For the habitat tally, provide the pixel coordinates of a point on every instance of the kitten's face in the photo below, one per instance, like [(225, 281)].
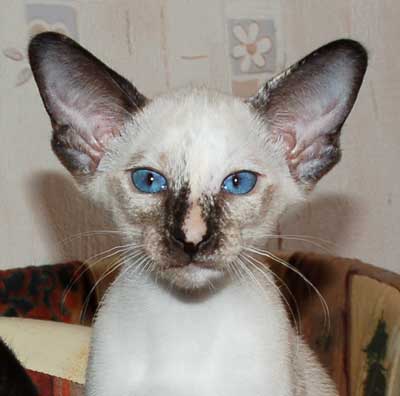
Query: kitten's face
[(196, 139), (195, 178)]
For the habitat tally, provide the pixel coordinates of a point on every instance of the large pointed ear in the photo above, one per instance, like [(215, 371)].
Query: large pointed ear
[(306, 106), (88, 103)]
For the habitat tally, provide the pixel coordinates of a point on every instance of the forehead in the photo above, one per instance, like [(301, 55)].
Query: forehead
[(199, 135), (195, 138)]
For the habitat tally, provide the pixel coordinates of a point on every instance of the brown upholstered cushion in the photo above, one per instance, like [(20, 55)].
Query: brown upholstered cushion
[(361, 348), (50, 292)]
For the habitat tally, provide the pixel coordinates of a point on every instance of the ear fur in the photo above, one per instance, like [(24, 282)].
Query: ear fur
[(308, 103), (88, 103)]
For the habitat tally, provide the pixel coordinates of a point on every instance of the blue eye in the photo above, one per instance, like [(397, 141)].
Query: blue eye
[(240, 182), (149, 181)]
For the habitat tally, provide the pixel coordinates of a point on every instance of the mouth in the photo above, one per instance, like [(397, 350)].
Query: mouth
[(191, 275), (193, 264), (203, 264)]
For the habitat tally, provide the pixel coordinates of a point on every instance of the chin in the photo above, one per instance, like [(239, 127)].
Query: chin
[(193, 276)]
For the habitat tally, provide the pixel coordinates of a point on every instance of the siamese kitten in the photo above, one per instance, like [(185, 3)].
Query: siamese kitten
[(195, 181)]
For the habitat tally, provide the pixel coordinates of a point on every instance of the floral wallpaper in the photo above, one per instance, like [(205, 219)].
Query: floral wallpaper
[(255, 43), (252, 42), (252, 46), (40, 18)]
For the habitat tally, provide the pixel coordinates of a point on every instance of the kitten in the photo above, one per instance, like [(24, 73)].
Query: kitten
[(195, 181), (13, 379)]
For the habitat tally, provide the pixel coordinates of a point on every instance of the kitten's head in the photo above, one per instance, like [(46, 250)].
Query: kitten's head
[(194, 177)]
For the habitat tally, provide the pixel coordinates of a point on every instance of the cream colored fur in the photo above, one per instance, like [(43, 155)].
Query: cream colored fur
[(193, 311), (180, 336)]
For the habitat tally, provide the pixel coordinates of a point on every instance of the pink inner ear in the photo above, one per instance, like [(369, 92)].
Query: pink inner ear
[(87, 101), (307, 137), (96, 122), (90, 137), (321, 121), (102, 129), (310, 152), (306, 105), (289, 141), (331, 106)]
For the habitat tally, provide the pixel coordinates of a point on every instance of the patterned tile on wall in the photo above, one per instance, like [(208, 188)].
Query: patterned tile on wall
[(245, 88), (255, 44), (252, 46), (42, 17)]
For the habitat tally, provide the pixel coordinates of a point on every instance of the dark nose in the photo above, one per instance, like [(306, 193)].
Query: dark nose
[(188, 247)]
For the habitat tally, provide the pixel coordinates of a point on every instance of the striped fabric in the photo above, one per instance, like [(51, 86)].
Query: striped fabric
[(48, 385)]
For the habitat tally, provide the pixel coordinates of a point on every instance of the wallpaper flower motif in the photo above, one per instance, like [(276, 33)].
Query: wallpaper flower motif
[(42, 18), (251, 47), (39, 26), (25, 74)]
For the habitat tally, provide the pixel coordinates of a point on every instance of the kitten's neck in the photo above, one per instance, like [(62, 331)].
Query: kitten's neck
[(197, 294), (253, 283)]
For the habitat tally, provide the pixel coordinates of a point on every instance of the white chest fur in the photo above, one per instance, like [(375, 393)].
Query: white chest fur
[(149, 341)]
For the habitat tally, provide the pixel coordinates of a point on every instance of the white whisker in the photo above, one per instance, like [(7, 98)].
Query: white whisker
[(318, 242), (270, 255), (118, 264), (266, 275), (88, 265), (269, 276), (95, 233)]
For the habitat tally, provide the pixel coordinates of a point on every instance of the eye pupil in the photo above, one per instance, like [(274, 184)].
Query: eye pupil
[(150, 179), (235, 180)]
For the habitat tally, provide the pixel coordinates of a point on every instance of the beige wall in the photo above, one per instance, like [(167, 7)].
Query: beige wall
[(162, 44)]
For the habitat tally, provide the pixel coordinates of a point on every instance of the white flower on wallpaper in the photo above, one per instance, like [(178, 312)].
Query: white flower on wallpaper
[(24, 74), (39, 26), (42, 18), (251, 47)]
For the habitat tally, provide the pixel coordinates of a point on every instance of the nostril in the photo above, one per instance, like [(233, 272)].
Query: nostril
[(204, 242), (178, 238), (190, 248)]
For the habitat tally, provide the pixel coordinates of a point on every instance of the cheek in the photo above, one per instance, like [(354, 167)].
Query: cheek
[(244, 212), (154, 244), (251, 209), (134, 208)]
